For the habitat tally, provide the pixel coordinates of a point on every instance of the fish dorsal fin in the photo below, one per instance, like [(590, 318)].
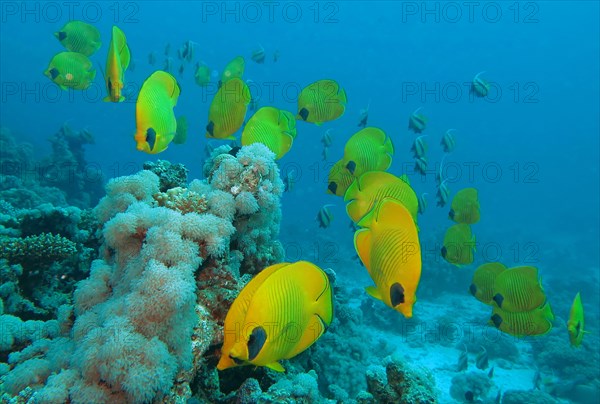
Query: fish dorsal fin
[(362, 245), (170, 84), (286, 143), (119, 45)]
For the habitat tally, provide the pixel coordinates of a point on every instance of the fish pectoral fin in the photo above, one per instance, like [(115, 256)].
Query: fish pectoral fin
[(276, 366), (316, 327), (374, 292), (362, 245)]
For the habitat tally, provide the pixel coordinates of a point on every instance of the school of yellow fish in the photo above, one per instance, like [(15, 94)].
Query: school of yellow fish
[(287, 307)]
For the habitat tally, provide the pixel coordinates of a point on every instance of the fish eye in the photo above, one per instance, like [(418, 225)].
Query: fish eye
[(444, 251)]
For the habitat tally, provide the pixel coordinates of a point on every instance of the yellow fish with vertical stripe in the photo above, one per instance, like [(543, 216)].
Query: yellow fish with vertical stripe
[(155, 119), (80, 37), (117, 62), (575, 323), (374, 186), (465, 207), (459, 245), (71, 70), (369, 149), (275, 128), (228, 109), (280, 313), (321, 101), (528, 323), (518, 289), (233, 70), (388, 246)]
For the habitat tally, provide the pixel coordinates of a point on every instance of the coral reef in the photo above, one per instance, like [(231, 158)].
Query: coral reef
[(67, 169), (143, 323), (470, 386), (529, 397), (169, 175), (44, 251), (400, 382)]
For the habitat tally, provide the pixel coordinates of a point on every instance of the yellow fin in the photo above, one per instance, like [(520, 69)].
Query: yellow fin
[(316, 328), (276, 366), (373, 291), (362, 245)]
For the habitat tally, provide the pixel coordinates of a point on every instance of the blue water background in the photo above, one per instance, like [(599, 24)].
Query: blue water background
[(544, 138)]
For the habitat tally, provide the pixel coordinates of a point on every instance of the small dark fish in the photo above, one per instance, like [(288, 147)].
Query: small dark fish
[(289, 181), (181, 69), (151, 58), (491, 373), (463, 360), (481, 361), (324, 217), (422, 203), (168, 65), (469, 396), (167, 49), (364, 116), (275, 56), (186, 52), (498, 397), (421, 165), (259, 55), (443, 193), (326, 139), (325, 153), (419, 147), (448, 142), (417, 122), (479, 86)]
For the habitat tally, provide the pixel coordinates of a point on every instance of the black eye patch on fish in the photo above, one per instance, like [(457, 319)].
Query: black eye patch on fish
[(332, 187), (351, 166), (210, 128), (256, 342), (54, 73), (396, 294), (303, 114), (151, 137)]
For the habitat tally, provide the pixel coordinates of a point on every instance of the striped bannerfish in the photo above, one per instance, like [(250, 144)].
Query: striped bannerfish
[(518, 289), (369, 149), (388, 246), (321, 101), (228, 109), (281, 312)]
